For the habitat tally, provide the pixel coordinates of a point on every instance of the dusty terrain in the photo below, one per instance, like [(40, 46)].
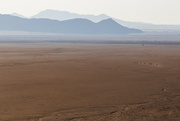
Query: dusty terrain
[(54, 82)]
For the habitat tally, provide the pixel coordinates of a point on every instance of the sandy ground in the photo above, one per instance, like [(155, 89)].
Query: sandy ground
[(54, 82)]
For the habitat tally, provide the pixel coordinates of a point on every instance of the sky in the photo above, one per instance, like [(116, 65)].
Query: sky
[(148, 11)]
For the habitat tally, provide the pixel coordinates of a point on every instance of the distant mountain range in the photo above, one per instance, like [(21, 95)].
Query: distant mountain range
[(63, 15), (72, 26)]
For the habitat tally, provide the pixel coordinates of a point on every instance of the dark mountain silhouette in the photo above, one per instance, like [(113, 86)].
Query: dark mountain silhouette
[(73, 26), (64, 15)]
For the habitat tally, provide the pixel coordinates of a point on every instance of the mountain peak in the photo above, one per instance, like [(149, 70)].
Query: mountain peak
[(109, 21), (103, 15), (18, 15)]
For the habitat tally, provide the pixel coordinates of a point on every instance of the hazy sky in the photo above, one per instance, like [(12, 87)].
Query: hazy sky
[(151, 11)]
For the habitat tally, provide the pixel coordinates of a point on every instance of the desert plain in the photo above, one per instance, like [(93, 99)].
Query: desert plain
[(89, 82)]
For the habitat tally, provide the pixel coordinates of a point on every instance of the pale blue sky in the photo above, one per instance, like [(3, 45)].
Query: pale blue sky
[(151, 11)]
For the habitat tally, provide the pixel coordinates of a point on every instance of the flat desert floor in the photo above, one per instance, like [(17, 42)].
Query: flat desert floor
[(89, 82)]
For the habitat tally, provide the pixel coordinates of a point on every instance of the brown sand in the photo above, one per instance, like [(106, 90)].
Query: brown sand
[(54, 82)]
